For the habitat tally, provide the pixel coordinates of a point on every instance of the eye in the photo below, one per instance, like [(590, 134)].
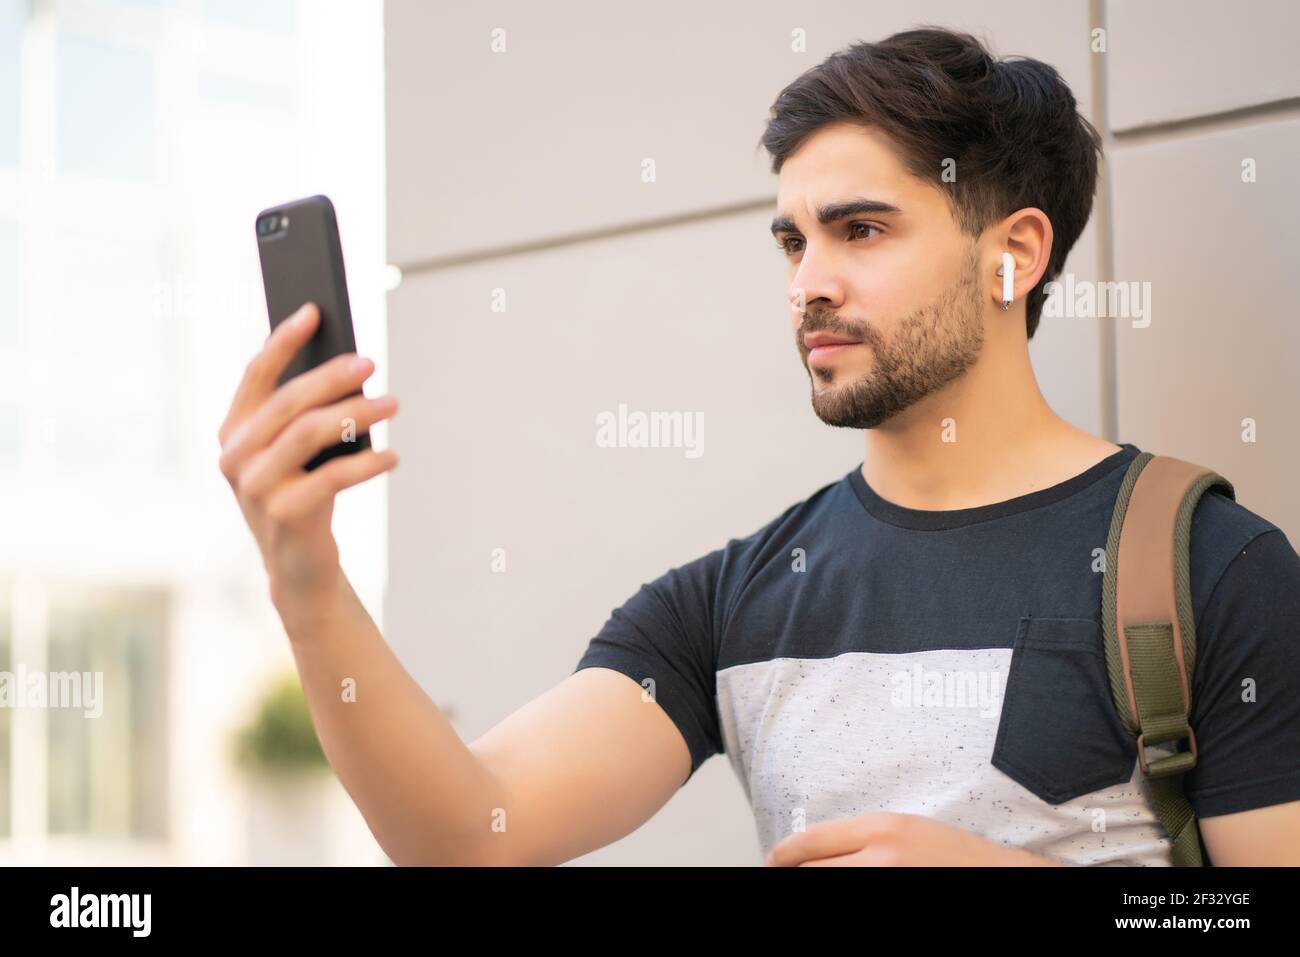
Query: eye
[(784, 246)]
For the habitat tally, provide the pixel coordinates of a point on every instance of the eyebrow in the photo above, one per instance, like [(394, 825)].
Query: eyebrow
[(836, 211)]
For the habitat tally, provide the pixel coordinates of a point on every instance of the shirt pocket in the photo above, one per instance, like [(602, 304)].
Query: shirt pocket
[(1058, 734)]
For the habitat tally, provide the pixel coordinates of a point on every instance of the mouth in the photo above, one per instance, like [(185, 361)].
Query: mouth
[(822, 353), (822, 346)]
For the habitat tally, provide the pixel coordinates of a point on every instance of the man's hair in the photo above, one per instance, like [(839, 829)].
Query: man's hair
[(1011, 125)]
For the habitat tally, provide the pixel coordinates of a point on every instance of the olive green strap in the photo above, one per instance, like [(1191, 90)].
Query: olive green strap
[(1162, 714), (1109, 585), (1162, 718)]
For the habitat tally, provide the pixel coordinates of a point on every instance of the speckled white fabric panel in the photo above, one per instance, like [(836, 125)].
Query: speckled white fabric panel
[(820, 739)]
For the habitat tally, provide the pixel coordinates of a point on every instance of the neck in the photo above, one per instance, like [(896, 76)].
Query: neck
[(985, 438)]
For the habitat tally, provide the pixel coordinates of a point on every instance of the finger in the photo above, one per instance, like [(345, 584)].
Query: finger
[(307, 435), (303, 496), (826, 839), (340, 376), (263, 371)]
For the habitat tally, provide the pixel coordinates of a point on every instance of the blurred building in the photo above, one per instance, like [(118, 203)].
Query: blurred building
[(138, 140)]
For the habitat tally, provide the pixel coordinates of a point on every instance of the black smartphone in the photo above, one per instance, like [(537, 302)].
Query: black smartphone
[(302, 261)]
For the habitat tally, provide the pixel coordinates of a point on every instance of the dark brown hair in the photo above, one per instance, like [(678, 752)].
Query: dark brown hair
[(1011, 125)]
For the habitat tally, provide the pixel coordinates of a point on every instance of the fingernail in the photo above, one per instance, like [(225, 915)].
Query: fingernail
[(302, 316), (360, 364)]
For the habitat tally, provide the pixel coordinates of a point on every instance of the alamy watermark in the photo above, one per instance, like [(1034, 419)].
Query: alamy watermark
[(942, 688), (53, 689), (129, 911), (1088, 299), (651, 430)]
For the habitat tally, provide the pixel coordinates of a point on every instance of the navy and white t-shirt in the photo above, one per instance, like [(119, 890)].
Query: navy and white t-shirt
[(854, 655)]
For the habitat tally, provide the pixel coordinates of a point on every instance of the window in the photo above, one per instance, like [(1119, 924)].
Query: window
[(107, 755), (99, 655), (106, 110), (12, 14)]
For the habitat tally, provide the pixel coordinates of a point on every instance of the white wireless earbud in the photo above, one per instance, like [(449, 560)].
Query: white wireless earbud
[(1008, 274)]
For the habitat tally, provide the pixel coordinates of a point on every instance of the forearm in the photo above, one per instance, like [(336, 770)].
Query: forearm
[(425, 796)]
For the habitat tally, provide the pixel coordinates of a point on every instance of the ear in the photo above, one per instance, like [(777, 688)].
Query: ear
[(1027, 235)]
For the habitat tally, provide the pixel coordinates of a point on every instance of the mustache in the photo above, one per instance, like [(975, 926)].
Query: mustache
[(824, 322)]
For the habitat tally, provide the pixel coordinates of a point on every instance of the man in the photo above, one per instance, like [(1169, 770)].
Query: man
[(904, 668)]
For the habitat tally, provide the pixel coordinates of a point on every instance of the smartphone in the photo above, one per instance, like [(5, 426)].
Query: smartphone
[(302, 261)]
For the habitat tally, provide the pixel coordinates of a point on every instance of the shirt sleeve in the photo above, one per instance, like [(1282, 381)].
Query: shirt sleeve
[(1246, 686), (664, 634)]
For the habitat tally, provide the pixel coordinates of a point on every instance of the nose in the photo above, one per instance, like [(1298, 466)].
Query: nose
[(814, 283)]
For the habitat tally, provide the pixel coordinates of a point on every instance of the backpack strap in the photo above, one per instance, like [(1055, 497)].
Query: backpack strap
[(1150, 635)]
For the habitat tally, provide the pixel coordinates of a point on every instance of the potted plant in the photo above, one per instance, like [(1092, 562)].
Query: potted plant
[(290, 780)]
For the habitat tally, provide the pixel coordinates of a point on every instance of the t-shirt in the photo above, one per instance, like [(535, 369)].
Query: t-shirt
[(853, 655)]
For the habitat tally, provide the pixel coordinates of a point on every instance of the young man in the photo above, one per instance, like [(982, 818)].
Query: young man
[(904, 668)]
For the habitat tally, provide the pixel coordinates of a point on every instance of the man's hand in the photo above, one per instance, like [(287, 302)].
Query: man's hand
[(886, 839), (270, 432)]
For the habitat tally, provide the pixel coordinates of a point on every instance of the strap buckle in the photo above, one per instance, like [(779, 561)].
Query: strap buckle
[(1175, 763)]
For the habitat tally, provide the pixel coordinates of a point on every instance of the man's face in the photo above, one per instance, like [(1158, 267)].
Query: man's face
[(890, 271)]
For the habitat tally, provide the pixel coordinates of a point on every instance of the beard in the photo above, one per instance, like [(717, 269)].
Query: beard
[(929, 348)]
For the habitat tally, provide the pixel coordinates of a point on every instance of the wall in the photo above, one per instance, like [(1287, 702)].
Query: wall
[(518, 175)]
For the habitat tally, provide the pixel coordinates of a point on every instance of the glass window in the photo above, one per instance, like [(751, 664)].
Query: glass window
[(107, 772), (110, 278), (12, 15), (106, 110), (265, 16), (111, 341), (259, 94)]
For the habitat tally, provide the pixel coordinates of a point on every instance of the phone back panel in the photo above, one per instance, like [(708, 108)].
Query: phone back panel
[(304, 263)]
